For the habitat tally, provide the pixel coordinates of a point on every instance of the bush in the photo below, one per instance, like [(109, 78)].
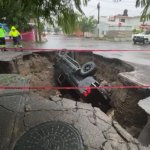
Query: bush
[(136, 31)]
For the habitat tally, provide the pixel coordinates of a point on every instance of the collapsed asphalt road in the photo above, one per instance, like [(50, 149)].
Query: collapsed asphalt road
[(22, 110)]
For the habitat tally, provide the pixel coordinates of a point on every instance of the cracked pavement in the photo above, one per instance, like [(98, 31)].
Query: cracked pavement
[(23, 110)]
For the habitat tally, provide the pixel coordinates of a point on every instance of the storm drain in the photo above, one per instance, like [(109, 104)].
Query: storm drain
[(51, 135)]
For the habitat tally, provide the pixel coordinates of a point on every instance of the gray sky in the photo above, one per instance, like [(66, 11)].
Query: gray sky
[(110, 8)]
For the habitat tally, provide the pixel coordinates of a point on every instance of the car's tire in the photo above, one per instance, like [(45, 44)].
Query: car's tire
[(88, 69), (134, 42)]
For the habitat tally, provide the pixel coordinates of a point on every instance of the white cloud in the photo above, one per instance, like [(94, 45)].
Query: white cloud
[(110, 8)]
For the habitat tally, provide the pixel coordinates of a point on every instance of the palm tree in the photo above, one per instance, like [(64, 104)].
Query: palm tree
[(146, 11)]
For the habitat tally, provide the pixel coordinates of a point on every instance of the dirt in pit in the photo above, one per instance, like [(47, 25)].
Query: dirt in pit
[(126, 109), (39, 70)]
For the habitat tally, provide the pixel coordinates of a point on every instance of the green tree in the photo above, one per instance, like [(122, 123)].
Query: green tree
[(87, 24), (14, 14), (146, 5), (136, 31), (60, 12)]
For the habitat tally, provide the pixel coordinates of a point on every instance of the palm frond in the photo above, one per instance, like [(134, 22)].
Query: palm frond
[(141, 3)]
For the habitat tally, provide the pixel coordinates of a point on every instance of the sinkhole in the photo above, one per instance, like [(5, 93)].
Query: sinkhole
[(40, 70)]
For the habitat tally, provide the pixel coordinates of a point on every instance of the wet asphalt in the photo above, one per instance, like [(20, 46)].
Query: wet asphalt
[(66, 42)]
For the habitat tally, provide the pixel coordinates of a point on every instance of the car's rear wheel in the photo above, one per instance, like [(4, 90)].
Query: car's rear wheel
[(88, 68)]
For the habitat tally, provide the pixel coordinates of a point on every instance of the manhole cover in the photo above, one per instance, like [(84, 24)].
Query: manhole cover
[(51, 136)]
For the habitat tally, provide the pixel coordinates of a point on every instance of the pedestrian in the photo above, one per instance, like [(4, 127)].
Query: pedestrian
[(2, 38), (15, 34)]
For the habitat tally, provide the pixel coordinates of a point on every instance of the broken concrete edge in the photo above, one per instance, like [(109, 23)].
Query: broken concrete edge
[(98, 114), (145, 105), (70, 105), (13, 55), (10, 82), (92, 122), (135, 73), (130, 79), (123, 133), (144, 136), (136, 78), (140, 76), (126, 65)]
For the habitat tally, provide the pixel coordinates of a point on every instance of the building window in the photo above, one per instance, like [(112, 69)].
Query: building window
[(122, 20)]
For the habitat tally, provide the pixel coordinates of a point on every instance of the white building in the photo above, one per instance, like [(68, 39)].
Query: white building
[(119, 26)]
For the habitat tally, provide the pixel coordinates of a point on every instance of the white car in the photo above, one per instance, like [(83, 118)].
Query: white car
[(143, 37)]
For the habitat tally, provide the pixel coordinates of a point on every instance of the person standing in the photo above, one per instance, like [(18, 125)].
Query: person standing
[(2, 38), (15, 34)]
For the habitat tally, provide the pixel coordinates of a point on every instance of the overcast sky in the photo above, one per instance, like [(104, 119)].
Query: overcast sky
[(110, 8)]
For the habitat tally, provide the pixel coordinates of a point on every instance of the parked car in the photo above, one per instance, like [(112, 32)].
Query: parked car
[(143, 37)]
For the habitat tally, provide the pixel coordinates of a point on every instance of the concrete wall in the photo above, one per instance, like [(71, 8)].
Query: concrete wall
[(103, 29), (122, 28), (119, 34)]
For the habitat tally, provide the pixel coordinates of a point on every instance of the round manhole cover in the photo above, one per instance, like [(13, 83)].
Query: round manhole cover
[(51, 136)]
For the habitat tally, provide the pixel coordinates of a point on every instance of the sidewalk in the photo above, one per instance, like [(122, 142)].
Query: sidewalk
[(79, 125)]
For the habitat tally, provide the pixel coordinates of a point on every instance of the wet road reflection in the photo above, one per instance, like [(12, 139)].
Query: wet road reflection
[(61, 42)]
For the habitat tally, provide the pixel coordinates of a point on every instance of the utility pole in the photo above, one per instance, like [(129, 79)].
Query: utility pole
[(98, 7)]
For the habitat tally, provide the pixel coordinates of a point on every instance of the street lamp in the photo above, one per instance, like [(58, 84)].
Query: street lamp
[(98, 8)]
